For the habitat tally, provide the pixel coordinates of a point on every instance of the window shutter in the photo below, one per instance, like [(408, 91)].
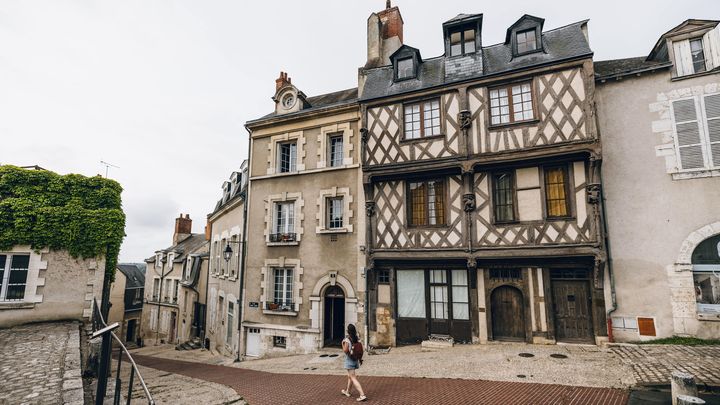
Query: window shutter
[(683, 58), (712, 113), (687, 129), (711, 47)]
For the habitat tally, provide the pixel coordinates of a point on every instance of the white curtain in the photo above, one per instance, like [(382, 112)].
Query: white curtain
[(411, 293), (460, 294)]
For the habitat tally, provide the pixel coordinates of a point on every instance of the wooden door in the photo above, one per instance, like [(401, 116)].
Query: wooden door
[(439, 303), (253, 342), (571, 302), (508, 314), (334, 325)]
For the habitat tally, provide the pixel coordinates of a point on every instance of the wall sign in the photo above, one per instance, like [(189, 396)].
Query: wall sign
[(254, 304)]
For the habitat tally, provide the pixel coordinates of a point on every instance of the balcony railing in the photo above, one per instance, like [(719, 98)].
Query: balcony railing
[(281, 306), (282, 237)]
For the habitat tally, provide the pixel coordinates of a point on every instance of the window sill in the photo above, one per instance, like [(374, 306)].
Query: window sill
[(708, 316), (427, 227), (553, 219), (498, 127), (695, 174), (281, 313), (333, 231), (422, 139), (694, 75), (16, 305), (296, 243)]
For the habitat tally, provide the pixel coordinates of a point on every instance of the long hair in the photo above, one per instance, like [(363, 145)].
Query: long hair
[(352, 332)]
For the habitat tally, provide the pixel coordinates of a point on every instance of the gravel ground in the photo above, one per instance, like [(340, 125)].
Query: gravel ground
[(589, 366)]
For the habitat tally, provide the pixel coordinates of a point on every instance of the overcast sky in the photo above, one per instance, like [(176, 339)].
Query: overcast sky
[(162, 88)]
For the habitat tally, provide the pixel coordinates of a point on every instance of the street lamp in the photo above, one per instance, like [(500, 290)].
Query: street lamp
[(227, 253)]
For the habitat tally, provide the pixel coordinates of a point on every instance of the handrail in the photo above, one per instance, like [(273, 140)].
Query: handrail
[(98, 322)]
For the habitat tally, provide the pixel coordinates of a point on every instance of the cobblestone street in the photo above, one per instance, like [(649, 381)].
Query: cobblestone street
[(653, 364), (40, 364)]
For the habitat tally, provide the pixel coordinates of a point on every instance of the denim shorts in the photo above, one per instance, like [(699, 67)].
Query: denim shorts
[(351, 364)]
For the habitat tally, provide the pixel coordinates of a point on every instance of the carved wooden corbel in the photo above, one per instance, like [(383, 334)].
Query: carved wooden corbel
[(369, 208)]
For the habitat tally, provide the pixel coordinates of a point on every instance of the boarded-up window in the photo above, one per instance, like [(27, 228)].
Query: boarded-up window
[(646, 326), (556, 191)]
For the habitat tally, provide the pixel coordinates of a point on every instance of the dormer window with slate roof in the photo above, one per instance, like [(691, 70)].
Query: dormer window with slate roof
[(462, 35), (525, 36), (406, 62)]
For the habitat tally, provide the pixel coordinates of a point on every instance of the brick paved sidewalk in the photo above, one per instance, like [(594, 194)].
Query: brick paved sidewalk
[(653, 364), (263, 388)]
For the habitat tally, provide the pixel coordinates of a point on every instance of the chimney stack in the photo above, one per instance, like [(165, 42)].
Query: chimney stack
[(384, 35), (183, 228), (282, 81)]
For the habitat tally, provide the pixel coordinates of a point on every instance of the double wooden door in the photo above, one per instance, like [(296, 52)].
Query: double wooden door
[(573, 318)]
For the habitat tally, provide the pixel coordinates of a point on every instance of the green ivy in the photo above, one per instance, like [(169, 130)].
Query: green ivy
[(82, 215)]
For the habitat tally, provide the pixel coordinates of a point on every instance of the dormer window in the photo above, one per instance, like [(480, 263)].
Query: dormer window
[(698, 55), (462, 42), (526, 41), (405, 68)]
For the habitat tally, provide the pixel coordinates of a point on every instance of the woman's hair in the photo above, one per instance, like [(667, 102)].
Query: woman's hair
[(352, 332)]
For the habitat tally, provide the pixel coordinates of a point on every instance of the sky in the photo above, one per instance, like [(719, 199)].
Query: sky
[(162, 89)]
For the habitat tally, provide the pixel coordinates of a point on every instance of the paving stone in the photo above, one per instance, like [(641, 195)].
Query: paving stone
[(653, 364)]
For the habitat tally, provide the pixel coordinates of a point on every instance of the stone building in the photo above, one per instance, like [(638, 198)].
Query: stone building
[(226, 228), (127, 294), (480, 174), (175, 288), (659, 116), (304, 281)]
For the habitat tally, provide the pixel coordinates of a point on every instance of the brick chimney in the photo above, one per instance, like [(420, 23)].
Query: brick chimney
[(183, 228), (384, 35), (282, 81)]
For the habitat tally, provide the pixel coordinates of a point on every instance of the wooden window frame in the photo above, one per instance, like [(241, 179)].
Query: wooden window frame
[(517, 43), (292, 165), (331, 137), (328, 212), (408, 201), (508, 87), (461, 30), (421, 103), (514, 196), (567, 168), (413, 73)]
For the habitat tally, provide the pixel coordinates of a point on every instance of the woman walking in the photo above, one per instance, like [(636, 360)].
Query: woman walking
[(352, 362)]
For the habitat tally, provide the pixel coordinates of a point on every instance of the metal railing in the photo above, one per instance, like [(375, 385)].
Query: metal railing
[(282, 237), (100, 328)]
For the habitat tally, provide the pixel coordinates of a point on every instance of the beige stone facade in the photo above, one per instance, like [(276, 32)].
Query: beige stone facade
[(226, 229), (661, 193), (57, 287), (304, 280)]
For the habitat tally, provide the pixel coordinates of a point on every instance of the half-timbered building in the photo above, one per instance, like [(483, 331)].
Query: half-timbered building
[(480, 173)]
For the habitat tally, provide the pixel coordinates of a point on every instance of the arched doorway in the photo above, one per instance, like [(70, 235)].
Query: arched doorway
[(508, 314), (334, 319), (706, 275)]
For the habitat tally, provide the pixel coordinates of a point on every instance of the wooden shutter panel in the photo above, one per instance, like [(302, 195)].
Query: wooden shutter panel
[(687, 130), (711, 47), (683, 58), (712, 113), (646, 326)]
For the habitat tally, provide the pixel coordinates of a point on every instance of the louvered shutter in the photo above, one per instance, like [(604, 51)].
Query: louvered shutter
[(683, 58), (712, 113), (711, 48), (689, 138)]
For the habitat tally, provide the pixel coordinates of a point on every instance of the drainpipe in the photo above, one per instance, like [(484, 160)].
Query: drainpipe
[(242, 265), (609, 263)]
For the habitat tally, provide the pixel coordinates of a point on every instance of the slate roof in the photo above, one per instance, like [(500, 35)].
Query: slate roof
[(622, 67), (135, 277), (560, 44), (318, 102), (185, 247)]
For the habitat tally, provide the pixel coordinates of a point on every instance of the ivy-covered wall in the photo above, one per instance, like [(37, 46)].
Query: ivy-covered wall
[(82, 215)]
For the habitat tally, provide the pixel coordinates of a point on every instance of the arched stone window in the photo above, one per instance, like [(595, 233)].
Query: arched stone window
[(706, 275)]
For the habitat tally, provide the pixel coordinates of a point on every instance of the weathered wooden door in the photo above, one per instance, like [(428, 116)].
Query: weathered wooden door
[(573, 319), (508, 314), (334, 325)]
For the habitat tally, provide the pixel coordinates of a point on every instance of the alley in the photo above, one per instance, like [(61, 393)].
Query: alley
[(259, 388)]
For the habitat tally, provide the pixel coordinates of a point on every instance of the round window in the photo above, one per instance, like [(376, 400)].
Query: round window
[(288, 100)]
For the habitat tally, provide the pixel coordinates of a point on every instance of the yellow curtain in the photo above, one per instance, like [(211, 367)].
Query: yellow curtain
[(555, 189)]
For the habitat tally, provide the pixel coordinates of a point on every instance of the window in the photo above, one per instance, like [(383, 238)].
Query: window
[(698, 55), (284, 224), (504, 196), (526, 41), (138, 297), (411, 293), (460, 295), (697, 142), (335, 213), (422, 119), (216, 258), (279, 341), (283, 289), (405, 68), (229, 326), (383, 276), (13, 276), (706, 275), (556, 192), (176, 284), (438, 295), (511, 104), (156, 290), (287, 157), (336, 151), (462, 42), (427, 203), (505, 274)]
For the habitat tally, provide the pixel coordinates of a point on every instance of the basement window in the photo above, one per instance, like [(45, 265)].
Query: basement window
[(279, 341)]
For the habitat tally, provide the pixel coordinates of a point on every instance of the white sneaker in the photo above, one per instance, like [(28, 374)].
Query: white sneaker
[(347, 394), (362, 398)]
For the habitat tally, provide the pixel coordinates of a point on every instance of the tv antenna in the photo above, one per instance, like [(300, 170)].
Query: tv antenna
[(108, 166)]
